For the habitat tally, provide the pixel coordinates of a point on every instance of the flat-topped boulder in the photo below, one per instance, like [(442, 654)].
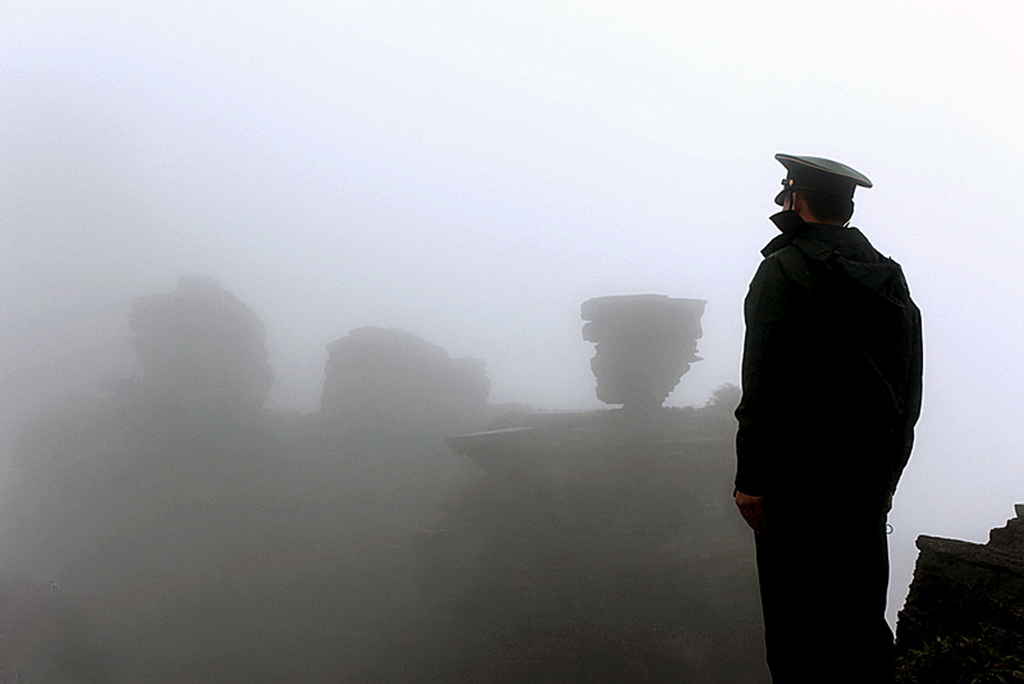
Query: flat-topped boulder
[(597, 546)]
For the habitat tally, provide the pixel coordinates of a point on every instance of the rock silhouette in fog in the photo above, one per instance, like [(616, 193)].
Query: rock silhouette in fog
[(645, 344), (164, 534), (597, 546), (392, 378), (200, 346), (146, 543)]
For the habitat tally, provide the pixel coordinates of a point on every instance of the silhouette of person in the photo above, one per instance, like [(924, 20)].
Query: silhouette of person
[(832, 366)]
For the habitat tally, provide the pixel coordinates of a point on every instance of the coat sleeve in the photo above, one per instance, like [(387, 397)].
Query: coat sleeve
[(912, 402), (768, 313)]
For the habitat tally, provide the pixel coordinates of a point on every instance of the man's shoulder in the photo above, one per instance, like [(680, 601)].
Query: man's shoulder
[(789, 263)]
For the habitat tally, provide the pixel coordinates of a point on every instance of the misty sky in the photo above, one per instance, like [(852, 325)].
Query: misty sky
[(473, 171)]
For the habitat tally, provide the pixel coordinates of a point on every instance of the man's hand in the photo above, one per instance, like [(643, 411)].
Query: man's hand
[(750, 509)]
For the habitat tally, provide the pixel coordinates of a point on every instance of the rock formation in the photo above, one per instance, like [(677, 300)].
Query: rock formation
[(200, 346), (392, 379), (645, 344), (961, 589), (597, 547)]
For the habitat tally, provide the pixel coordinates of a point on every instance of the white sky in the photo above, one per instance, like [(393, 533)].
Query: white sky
[(472, 171)]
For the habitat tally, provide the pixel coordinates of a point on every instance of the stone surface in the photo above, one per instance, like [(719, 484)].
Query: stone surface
[(966, 589), (645, 344)]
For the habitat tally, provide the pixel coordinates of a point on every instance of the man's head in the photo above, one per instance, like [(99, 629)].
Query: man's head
[(820, 190)]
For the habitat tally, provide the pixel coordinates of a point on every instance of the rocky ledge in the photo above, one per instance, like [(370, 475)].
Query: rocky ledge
[(968, 590)]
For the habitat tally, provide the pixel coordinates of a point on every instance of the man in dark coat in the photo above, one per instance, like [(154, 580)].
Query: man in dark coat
[(832, 367)]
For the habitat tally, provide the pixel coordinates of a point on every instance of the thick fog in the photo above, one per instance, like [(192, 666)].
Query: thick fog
[(471, 172)]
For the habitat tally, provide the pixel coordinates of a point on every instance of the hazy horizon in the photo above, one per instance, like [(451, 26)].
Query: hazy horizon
[(472, 172)]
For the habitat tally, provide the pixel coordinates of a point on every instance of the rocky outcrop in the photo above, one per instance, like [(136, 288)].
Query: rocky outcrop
[(645, 344), (392, 379), (201, 347), (964, 589), (597, 547)]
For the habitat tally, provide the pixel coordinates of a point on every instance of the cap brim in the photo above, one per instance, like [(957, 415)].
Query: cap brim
[(797, 164)]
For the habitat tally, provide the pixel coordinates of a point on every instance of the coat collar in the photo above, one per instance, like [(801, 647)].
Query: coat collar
[(795, 228)]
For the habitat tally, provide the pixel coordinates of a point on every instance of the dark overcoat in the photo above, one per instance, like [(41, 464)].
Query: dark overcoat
[(832, 367)]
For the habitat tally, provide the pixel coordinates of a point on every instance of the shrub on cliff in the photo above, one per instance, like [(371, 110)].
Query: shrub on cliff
[(959, 660)]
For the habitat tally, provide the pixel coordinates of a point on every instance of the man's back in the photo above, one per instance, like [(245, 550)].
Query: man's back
[(832, 357)]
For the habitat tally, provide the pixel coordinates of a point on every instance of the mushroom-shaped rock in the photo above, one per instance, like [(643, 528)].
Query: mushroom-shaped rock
[(645, 344)]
